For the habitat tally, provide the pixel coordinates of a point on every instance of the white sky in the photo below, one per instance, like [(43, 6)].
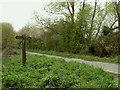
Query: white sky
[(19, 12)]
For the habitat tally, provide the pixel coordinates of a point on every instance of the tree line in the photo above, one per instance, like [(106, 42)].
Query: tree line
[(81, 27)]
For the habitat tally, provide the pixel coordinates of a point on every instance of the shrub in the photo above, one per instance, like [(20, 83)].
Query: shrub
[(10, 51), (105, 45)]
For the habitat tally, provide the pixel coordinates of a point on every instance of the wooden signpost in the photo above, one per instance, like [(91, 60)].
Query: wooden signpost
[(23, 37)]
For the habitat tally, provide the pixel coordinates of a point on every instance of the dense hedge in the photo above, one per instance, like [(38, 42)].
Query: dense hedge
[(105, 45)]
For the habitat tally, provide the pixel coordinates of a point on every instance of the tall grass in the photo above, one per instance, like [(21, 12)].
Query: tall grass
[(44, 72)]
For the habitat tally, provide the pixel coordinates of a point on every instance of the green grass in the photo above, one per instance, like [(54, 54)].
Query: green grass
[(44, 72), (85, 57)]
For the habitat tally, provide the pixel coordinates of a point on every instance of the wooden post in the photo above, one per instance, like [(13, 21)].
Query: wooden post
[(23, 37), (24, 49)]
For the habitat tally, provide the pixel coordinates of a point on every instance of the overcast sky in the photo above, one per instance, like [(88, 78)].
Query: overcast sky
[(19, 12)]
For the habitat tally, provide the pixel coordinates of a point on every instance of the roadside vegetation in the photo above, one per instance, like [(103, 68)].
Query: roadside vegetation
[(44, 72), (84, 57), (80, 29)]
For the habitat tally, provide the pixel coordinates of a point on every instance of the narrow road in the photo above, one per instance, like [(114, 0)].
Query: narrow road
[(109, 67)]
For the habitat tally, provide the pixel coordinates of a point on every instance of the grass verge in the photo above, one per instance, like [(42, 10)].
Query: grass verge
[(44, 72), (85, 57)]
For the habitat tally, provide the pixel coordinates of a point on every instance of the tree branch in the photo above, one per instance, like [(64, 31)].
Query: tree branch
[(113, 23), (93, 18)]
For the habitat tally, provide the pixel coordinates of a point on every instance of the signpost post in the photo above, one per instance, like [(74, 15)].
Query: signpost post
[(23, 37)]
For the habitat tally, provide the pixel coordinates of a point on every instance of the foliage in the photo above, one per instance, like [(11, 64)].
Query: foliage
[(9, 51), (78, 29), (8, 35), (30, 31), (104, 46), (44, 72)]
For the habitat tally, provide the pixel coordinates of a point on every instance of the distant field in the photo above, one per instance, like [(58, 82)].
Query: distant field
[(44, 72), (85, 57)]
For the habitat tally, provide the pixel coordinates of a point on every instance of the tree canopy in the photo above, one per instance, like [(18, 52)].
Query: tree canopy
[(8, 35), (79, 27)]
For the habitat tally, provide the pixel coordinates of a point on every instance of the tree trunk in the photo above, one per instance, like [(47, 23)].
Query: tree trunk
[(119, 23), (118, 14), (70, 6), (93, 18), (91, 27), (73, 11)]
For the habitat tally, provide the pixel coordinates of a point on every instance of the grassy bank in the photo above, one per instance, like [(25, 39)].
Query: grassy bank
[(44, 72), (85, 57)]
